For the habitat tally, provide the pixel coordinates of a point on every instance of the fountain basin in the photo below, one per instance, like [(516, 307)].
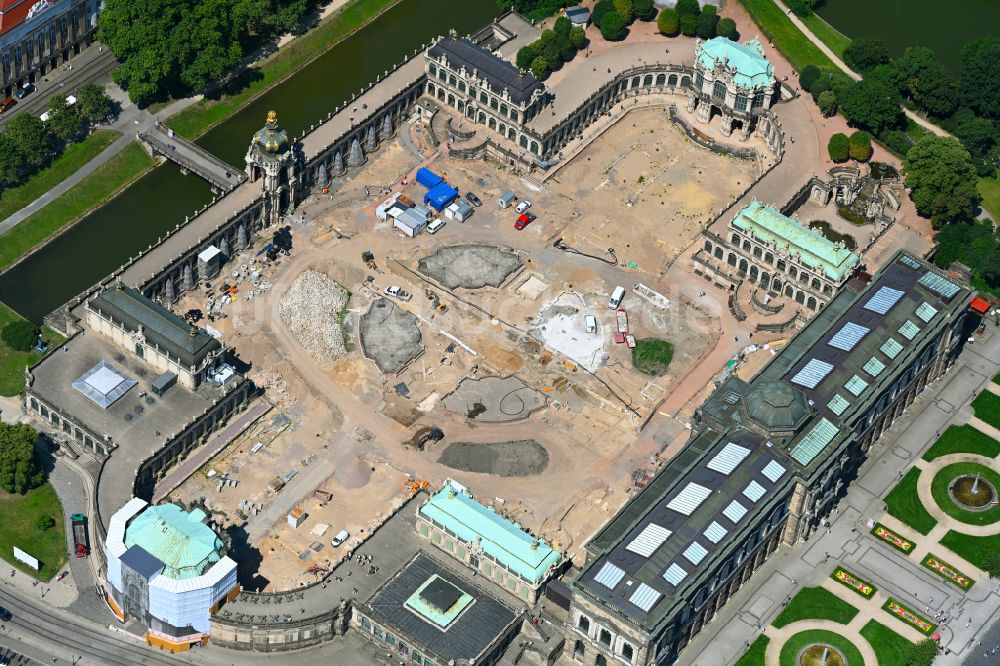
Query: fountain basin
[(821, 654)]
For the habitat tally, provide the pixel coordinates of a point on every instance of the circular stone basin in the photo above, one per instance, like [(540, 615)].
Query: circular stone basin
[(972, 494), (814, 654)]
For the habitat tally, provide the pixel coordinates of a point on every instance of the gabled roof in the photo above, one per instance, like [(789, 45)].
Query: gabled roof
[(815, 251), (500, 74), (179, 339), (752, 69)]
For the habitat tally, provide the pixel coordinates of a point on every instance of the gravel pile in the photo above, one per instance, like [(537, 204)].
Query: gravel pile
[(310, 310)]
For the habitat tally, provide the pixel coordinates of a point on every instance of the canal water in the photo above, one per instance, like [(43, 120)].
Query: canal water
[(140, 215), (901, 23)]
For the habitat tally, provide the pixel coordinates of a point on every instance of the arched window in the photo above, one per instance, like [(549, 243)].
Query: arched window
[(452, 80), (483, 98), (451, 100), (430, 89), (492, 123), (815, 283), (719, 90), (757, 252), (743, 266), (699, 80), (769, 258), (708, 246), (494, 104), (433, 70), (736, 239), (741, 102), (604, 637), (635, 82), (578, 650), (511, 134), (718, 253), (648, 80), (534, 147), (686, 82), (672, 81), (523, 141), (811, 303), (628, 652), (583, 624), (753, 273), (731, 259), (461, 86), (600, 660), (442, 75), (758, 101), (800, 297), (441, 94), (504, 109), (661, 79), (746, 245)]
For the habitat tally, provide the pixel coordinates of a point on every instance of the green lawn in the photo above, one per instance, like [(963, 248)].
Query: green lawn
[(963, 439), (12, 363), (199, 118), (890, 648), (972, 549), (789, 40), (106, 181), (939, 490), (790, 650), (816, 603), (651, 356), (996, 379), (827, 34), (18, 529), (754, 656), (74, 157), (986, 406), (903, 503), (989, 190)]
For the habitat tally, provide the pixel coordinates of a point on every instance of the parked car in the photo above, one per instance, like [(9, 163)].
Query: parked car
[(523, 206), (473, 199), (435, 225), (25, 90), (341, 537), (7, 104), (523, 220), (397, 292), (5, 614)]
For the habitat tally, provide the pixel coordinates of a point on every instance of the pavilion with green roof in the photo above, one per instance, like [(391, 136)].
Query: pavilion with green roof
[(736, 80)]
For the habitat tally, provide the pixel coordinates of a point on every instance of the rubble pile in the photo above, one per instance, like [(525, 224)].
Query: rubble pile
[(310, 309), (273, 383)]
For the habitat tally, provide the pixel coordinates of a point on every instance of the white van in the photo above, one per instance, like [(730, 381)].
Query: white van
[(591, 323), (616, 298), (342, 536)]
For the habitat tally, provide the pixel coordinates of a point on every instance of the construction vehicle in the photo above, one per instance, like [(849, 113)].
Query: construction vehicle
[(369, 259), (416, 485), (81, 540)]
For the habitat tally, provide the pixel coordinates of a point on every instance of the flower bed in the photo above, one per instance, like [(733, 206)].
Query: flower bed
[(948, 572), (906, 614), (847, 579), (899, 543)]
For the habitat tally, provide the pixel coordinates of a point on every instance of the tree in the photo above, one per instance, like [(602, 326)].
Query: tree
[(526, 55), (980, 78), (547, 37), (578, 37), (908, 66), (689, 7), (689, 25), (707, 20), (625, 9), (922, 653), (942, 179), (540, 68), (839, 147), (602, 8), (31, 138), (566, 50), (11, 159), (827, 103), (801, 8), (873, 105), (645, 10), (992, 557), (934, 90), (668, 22), (861, 146), (553, 55), (819, 86), (65, 121), (808, 76), (44, 521), (973, 243), (94, 103), (20, 335), (20, 470), (865, 53), (562, 26), (727, 28), (979, 137), (613, 27)]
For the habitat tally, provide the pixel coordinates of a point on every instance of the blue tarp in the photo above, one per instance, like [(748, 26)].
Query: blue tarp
[(428, 178), (440, 196)]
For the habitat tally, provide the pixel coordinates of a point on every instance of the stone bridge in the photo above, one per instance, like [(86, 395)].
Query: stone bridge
[(191, 158)]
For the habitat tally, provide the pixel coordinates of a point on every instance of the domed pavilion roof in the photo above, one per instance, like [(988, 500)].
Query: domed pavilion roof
[(181, 540), (271, 139), (747, 62), (776, 405)]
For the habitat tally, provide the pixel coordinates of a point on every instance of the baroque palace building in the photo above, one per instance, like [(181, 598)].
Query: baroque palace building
[(766, 462)]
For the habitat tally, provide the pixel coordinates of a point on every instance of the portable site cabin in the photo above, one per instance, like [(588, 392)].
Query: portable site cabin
[(410, 222), (382, 212), (209, 262), (507, 199), (428, 178), (459, 210), (440, 196)]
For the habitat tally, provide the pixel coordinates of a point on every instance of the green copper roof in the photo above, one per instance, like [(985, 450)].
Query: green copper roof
[(186, 546), (812, 249), (752, 70), (510, 545)]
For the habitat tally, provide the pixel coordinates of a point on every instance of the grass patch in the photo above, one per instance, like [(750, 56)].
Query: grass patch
[(989, 190), (972, 549), (789, 40), (883, 533), (939, 490), (12, 363), (938, 566), (100, 186), (907, 615), (790, 650), (61, 168), (996, 378), (198, 118), (18, 529), (754, 656), (986, 407), (890, 648), (815, 603), (833, 38), (651, 356), (904, 504), (853, 582), (963, 439)]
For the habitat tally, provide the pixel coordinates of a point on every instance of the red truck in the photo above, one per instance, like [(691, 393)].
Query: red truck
[(81, 540)]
